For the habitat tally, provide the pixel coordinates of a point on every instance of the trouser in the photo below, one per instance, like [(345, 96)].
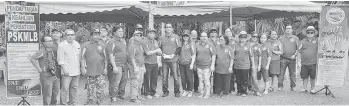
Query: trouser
[(291, 64), (95, 86), (150, 79), (136, 75), (50, 88), (69, 83), (187, 77), (115, 80), (204, 81), (173, 66), (253, 80), (232, 82), (196, 79), (123, 82), (242, 80), (222, 83)]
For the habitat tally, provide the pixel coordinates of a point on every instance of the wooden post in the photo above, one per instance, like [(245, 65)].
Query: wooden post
[(151, 17), (230, 16)]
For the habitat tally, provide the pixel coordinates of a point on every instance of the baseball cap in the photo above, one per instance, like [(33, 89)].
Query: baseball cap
[(151, 30), (213, 29), (96, 30), (55, 30), (243, 34), (137, 32), (138, 26), (311, 28)]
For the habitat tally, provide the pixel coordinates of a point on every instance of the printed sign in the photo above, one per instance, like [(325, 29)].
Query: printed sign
[(22, 35), (333, 46)]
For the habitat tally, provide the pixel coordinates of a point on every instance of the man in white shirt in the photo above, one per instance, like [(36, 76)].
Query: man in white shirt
[(69, 58)]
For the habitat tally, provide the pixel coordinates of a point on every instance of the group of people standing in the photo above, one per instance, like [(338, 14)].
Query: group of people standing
[(209, 64)]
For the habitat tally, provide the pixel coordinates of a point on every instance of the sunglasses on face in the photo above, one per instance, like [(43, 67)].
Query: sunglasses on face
[(254, 36)]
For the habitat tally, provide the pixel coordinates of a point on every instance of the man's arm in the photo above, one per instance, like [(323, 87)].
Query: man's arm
[(83, 61), (193, 57), (252, 58), (147, 49), (34, 60), (232, 56)]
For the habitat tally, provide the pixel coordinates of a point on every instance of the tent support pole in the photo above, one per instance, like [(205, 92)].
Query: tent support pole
[(230, 16), (255, 26), (151, 17)]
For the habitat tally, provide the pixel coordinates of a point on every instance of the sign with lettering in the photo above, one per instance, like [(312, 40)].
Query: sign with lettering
[(333, 46), (22, 36), (170, 3)]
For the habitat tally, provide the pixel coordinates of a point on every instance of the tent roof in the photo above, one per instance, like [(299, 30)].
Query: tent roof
[(202, 8)]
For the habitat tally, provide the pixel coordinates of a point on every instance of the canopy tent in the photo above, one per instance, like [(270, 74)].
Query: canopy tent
[(241, 10), (114, 11)]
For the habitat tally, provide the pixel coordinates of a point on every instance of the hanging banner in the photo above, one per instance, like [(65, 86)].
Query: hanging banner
[(333, 46), (22, 37)]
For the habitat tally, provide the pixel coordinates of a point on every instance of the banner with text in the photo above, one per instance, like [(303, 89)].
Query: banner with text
[(333, 46), (22, 37)]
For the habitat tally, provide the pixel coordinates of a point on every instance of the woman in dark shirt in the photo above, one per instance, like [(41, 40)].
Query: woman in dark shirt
[(186, 65)]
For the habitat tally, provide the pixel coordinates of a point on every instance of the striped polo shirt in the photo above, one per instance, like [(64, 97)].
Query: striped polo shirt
[(168, 45), (150, 45), (118, 48)]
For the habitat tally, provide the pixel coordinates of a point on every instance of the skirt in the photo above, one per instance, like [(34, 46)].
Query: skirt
[(274, 68)]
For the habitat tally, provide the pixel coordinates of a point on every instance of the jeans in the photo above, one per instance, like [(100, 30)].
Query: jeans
[(232, 82), (204, 81), (114, 81), (196, 79), (291, 64), (253, 80), (222, 83), (50, 88), (123, 82), (136, 81), (242, 80), (187, 77), (69, 83), (150, 79), (173, 66)]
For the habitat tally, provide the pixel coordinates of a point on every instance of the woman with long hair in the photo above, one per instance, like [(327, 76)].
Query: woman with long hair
[(186, 64), (257, 60), (265, 61)]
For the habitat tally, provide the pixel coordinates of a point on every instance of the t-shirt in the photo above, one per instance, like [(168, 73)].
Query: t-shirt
[(168, 45), (256, 53), (309, 51), (186, 54), (136, 51), (224, 55), (274, 46), (204, 52), (290, 45), (95, 58), (242, 56), (265, 53), (150, 45), (118, 48)]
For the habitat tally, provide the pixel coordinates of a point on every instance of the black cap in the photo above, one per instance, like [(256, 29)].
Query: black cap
[(213, 29), (243, 34), (53, 30), (151, 30), (185, 35)]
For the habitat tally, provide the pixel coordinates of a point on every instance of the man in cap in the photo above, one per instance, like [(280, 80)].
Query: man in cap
[(194, 40), (68, 56), (94, 66), (288, 58), (213, 35), (308, 50), (152, 50)]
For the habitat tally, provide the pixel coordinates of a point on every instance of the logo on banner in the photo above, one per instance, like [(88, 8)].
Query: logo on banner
[(335, 15)]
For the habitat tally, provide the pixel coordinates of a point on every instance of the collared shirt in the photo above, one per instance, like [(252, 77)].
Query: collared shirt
[(186, 54), (136, 51), (118, 48), (150, 45), (290, 45), (46, 58), (274, 46), (309, 51), (266, 52), (69, 55), (242, 56), (224, 54), (95, 58), (204, 52), (168, 45)]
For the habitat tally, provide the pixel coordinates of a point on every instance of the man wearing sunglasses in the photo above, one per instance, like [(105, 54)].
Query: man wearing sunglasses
[(288, 58), (308, 50)]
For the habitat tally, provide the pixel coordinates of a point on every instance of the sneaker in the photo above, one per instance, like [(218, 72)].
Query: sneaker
[(121, 97), (156, 95), (258, 94), (312, 91), (165, 95), (233, 92), (293, 89), (89, 102), (190, 94), (135, 100), (243, 95), (113, 100), (265, 92), (280, 89), (185, 93), (304, 91), (201, 95), (206, 96), (177, 95), (140, 98), (149, 97), (99, 102), (238, 94)]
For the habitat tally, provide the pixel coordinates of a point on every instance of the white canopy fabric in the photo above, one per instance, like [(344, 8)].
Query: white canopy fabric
[(83, 7), (201, 8)]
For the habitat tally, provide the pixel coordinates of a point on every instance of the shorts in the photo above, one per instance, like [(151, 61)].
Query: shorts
[(308, 70), (274, 68)]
